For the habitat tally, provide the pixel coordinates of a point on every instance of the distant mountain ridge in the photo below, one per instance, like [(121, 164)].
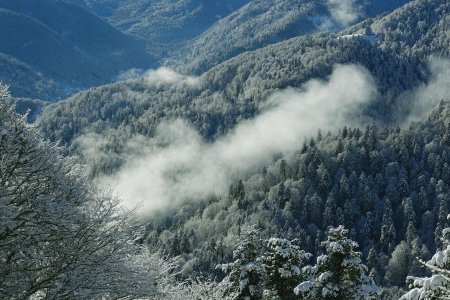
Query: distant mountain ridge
[(388, 185), (419, 28), (66, 43), (242, 84), (255, 25), (63, 48), (264, 22), (216, 26), (165, 24), (24, 81)]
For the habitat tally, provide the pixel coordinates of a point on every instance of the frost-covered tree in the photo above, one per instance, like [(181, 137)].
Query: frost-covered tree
[(199, 289), (245, 271), (283, 262), (437, 286), (398, 266), (60, 238), (388, 233), (339, 273), (220, 219)]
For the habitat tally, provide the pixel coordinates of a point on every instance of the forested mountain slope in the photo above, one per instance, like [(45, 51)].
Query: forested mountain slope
[(66, 44), (257, 24), (59, 237), (247, 24), (263, 22), (237, 89), (230, 92), (419, 28), (388, 186), (165, 24), (62, 238), (24, 81)]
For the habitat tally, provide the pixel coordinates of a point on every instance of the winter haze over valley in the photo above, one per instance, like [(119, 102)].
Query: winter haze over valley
[(234, 149)]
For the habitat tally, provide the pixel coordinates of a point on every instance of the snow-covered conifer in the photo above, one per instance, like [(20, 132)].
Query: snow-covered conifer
[(245, 271), (339, 273), (437, 286), (283, 262)]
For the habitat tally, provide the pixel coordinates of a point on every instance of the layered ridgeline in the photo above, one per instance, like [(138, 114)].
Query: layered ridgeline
[(418, 29), (361, 178), (24, 81), (263, 22), (52, 48), (218, 30), (240, 87), (240, 193), (165, 24)]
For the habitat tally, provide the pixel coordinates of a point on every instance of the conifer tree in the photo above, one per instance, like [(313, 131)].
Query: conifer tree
[(339, 273), (283, 261), (437, 286), (245, 271)]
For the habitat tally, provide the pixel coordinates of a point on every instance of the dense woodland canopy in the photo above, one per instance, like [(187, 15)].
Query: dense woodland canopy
[(352, 213), (238, 88), (60, 238), (366, 176), (262, 23), (388, 187), (63, 238)]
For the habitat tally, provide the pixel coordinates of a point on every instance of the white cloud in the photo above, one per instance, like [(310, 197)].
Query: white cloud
[(178, 165), (133, 73), (158, 77), (165, 75), (344, 12), (419, 103)]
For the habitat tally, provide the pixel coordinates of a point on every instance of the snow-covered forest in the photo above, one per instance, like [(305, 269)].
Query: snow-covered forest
[(248, 149)]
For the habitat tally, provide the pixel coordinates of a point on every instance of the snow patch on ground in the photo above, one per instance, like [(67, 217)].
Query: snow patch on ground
[(372, 38)]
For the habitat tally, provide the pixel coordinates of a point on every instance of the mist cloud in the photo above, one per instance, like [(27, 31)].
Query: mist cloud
[(178, 165), (426, 97), (158, 77), (344, 12)]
